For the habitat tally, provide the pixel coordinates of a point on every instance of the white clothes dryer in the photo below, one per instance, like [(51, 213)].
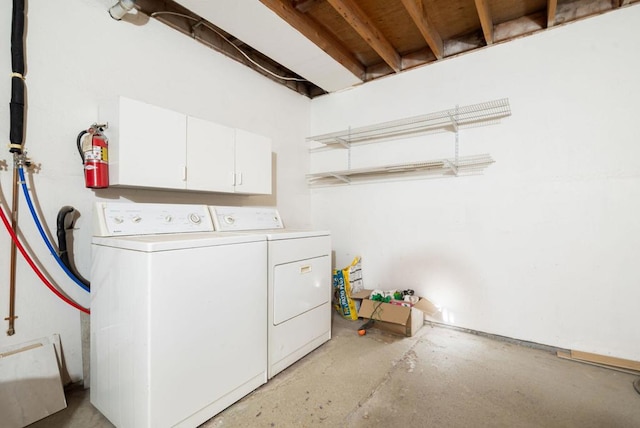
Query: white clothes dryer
[(177, 315), (299, 281)]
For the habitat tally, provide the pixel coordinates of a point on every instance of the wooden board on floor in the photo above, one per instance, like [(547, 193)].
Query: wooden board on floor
[(30, 385), (606, 360), (566, 355)]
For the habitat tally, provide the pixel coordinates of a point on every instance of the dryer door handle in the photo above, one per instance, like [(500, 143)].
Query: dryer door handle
[(305, 269)]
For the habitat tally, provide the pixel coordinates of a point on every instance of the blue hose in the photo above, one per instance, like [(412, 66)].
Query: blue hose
[(44, 235)]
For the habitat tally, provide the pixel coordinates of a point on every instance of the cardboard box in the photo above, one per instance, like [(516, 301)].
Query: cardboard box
[(393, 317)]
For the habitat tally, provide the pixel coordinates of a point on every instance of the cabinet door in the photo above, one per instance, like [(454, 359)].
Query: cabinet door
[(210, 156), (253, 163), (151, 148)]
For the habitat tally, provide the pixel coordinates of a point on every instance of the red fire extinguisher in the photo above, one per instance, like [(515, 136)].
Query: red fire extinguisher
[(93, 147)]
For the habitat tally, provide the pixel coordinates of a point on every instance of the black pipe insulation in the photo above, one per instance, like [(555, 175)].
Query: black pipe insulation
[(62, 241), (16, 107)]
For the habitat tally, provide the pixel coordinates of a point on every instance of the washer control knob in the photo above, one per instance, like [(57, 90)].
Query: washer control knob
[(118, 220), (168, 218), (229, 219), (136, 219), (195, 218)]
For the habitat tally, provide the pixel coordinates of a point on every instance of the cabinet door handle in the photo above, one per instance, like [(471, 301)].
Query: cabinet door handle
[(233, 178), (184, 173), (239, 181)]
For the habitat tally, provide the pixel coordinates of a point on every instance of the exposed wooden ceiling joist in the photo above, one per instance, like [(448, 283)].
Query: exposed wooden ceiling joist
[(552, 5), (363, 25), (486, 20), (422, 21)]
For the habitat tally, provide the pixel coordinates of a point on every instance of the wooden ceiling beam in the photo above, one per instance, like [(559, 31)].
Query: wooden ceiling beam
[(363, 25), (428, 31), (316, 34), (552, 5), (485, 20)]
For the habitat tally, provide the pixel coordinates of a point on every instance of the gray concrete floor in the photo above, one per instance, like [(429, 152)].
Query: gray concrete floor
[(442, 377)]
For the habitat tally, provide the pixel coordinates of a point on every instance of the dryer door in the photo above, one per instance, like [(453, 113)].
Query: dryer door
[(299, 287)]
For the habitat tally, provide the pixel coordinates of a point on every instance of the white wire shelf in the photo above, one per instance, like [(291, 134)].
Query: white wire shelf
[(445, 167), (486, 113), (452, 120)]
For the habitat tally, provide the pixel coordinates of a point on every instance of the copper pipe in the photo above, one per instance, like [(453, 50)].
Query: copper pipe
[(12, 276)]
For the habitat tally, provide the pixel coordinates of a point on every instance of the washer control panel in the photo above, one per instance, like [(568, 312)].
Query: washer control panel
[(230, 219), (121, 219)]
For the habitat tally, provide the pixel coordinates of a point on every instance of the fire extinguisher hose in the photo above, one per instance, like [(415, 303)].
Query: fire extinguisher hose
[(79, 144), (46, 282)]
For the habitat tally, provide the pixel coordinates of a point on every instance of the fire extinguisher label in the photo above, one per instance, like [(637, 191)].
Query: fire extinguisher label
[(97, 153)]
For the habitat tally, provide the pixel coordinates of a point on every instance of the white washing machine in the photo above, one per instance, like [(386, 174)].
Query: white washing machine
[(299, 281), (178, 315)]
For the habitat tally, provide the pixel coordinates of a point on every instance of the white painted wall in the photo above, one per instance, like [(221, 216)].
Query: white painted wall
[(543, 246), (76, 56)]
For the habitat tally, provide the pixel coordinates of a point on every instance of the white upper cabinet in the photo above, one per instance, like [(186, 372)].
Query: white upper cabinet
[(223, 159), (154, 147), (147, 144), (210, 156), (253, 163)]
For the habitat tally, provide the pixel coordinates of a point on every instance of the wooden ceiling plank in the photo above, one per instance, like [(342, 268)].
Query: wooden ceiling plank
[(361, 23), (519, 27), (625, 2), (428, 31), (552, 5), (304, 5), (485, 20), (572, 11), (316, 34)]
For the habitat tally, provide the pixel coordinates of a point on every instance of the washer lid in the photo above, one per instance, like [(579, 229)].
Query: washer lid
[(236, 219)]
